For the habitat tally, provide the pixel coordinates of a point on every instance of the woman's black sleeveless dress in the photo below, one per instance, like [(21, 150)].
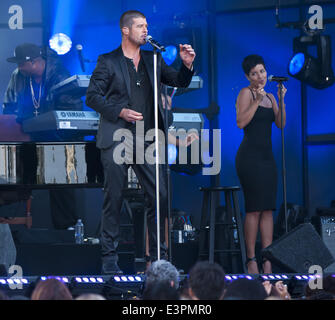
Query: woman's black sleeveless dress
[(255, 163)]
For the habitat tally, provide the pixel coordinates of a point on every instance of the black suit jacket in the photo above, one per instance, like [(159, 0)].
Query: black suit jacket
[(109, 89)]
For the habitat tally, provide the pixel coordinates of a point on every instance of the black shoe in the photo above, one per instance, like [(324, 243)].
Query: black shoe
[(111, 267)]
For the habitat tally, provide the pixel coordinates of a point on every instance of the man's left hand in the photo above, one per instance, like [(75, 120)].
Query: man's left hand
[(187, 54)]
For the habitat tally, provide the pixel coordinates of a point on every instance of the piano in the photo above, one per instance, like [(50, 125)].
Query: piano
[(26, 164)]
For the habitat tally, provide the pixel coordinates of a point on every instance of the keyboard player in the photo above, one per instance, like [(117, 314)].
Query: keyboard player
[(28, 95)]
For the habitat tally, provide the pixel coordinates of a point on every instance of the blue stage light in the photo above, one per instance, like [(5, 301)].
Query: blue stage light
[(297, 63), (315, 71), (61, 43), (169, 55)]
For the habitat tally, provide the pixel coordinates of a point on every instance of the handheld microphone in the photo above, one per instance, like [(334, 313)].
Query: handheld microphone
[(277, 79), (79, 48), (154, 43)]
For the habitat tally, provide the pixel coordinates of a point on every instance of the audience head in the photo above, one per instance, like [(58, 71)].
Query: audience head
[(184, 290), (160, 290), (162, 270), (206, 281), (51, 289), (327, 290), (244, 289), (90, 296), (321, 295), (329, 284), (3, 296), (19, 297)]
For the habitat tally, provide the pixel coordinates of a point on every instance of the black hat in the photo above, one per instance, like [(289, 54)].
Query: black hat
[(25, 52)]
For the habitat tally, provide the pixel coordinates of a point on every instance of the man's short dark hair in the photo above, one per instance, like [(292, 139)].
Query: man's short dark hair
[(250, 62), (127, 17), (207, 280), (244, 289)]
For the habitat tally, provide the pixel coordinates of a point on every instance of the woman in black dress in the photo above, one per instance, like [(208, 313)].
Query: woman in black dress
[(256, 110)]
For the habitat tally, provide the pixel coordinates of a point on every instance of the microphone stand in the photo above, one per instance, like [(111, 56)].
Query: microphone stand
[(156, 46), (283, 152), (168, 171), (157, 152)]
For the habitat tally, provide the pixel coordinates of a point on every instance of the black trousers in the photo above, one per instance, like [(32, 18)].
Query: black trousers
[(115, 178)]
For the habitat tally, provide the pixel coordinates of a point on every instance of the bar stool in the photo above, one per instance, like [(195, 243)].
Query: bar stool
[(233, 216)]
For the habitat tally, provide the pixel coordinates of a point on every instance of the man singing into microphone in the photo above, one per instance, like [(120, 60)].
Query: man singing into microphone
[(121, 90)]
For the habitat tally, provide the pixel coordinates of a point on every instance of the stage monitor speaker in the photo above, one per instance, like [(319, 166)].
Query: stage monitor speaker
[(7, 249), (325, 225), (299, 249)]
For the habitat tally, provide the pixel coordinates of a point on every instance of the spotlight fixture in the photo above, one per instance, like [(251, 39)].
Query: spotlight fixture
[(316, 72), (61, 43)]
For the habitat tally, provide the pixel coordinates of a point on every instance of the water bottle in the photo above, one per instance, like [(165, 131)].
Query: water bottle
[(79, 232)]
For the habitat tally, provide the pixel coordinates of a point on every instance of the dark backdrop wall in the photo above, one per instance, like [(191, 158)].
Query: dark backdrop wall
[(240, 28)]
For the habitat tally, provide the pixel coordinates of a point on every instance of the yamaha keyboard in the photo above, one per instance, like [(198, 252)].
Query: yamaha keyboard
[(77, 86), (87, 122)]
